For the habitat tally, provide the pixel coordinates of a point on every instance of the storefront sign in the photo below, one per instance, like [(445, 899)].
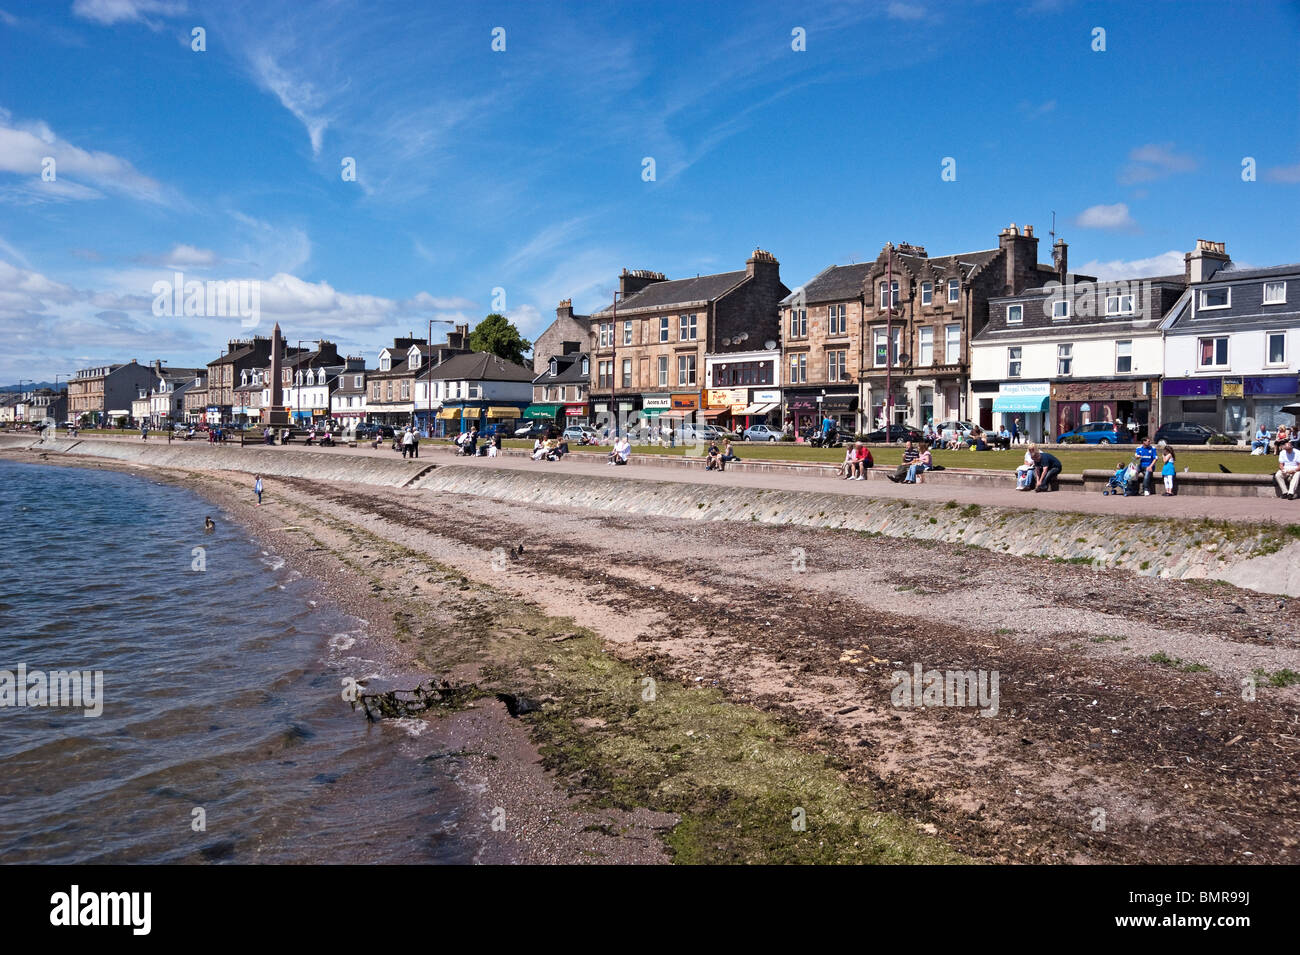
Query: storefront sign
[(1233, 388), (625, 405), (769, 396), (839, 404), (1025, 388), (685, 402), (801, 403), (1190, 387), (1274, 385), (723, 397), (662, 403), (738, 409), (575, 411), (600, 407)]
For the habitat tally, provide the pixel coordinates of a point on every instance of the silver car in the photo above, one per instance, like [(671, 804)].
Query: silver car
[(761, 432)]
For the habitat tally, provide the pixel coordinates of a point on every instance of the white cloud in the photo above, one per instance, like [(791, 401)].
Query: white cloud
[(109, 12), (1166, 263), (296, 95), (905, 11), (1114, 216), (182, 256), (24, 147), (1155, 161), (1287, 174)]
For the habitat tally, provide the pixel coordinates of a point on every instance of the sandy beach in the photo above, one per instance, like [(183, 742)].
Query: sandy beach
[(695, 693)]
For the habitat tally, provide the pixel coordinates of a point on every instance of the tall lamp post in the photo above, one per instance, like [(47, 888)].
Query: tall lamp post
[(429, 372)]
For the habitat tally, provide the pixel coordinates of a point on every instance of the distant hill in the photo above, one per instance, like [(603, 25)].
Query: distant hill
[(32, 386)]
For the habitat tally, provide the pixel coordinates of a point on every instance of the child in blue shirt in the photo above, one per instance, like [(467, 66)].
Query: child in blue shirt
[(1168, 470)]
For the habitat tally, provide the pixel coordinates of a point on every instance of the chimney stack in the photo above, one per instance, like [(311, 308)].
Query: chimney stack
[(1061, 260), (1208, 258), (564, 309), (629, 283), (763, 264), (1021, 254)]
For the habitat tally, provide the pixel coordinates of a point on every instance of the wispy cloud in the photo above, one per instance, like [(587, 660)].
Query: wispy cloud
[(78, 173), (1155, 161), (110, 12), (905, 11), (1166, 263), (1287, 174), (1115, 216), (299, 96)]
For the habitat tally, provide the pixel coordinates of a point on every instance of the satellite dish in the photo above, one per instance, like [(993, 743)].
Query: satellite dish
[(769, 344), (726, 341), (904, 359)]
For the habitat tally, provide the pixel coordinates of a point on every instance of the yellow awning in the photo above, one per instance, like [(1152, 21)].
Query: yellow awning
[(500, 411), (449, 413)]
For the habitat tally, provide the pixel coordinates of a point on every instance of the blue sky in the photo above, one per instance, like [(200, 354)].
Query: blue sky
[(523, 169)]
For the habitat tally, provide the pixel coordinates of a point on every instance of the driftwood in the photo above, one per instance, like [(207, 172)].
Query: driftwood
[(398, 703)]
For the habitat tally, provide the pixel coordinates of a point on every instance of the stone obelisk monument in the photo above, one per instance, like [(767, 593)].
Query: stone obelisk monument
[(278, 412)]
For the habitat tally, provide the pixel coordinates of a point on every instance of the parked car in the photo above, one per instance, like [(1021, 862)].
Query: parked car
[(371, 430), (534, 429), (1185, 432), (761, 432), (1097, 432), (897, 432), (581, 434)]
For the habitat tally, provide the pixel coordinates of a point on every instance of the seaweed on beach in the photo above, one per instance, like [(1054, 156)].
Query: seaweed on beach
[(393, 704)]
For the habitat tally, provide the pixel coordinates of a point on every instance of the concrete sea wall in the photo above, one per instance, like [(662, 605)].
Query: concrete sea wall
[(1264, 557)]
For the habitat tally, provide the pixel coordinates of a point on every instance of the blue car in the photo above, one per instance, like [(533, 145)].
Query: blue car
[(1099, 432)]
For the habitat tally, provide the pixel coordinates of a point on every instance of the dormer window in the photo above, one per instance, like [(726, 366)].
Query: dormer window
[(1216, 297), (385, 363), (555, 365), (586, 366)]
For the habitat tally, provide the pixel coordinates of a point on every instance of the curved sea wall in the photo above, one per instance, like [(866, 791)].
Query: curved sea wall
[(254, 459), (1263, 557)]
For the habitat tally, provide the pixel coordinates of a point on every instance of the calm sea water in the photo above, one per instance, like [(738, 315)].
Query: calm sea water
[(221, 692)]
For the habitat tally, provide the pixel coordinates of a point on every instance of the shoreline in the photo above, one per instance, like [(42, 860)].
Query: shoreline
[(787, 705)]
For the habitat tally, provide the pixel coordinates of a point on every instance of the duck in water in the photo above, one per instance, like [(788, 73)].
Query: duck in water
[(208, 526)]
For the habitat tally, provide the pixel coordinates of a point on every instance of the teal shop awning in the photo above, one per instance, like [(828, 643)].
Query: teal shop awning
[(1025, 403)]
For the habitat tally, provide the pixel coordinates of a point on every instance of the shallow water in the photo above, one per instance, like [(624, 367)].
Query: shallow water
[(221, 692)]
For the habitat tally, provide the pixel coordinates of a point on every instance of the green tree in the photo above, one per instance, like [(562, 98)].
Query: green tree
[(498, 335)]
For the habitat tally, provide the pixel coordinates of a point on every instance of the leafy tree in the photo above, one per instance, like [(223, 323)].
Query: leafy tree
[(498, 335)]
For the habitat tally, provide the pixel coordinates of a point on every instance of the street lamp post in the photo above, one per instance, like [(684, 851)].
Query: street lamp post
[(429, 373)]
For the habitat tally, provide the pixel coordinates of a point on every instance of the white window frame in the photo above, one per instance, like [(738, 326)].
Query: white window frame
[(1065, 353), (950, 346), (663, 371), (954, 290), (1015, 360), (1119, 355), (892, 294), (1268, 362), (663, 328), (1119, 309), (1015, 314), (1281, 301), (1064, 312), (1227, 352), (837, 368), (1202, 307), (627, 332), (687, 330), (927, 293), (924, 344)]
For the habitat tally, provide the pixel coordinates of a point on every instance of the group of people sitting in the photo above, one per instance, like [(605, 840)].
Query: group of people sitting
[(1137, 476), (552, 448), (857, 459), (717, 458), (1039, 472), (1264, 443)]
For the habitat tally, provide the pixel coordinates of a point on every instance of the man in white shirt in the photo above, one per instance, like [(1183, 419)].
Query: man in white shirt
[(1288, 471)]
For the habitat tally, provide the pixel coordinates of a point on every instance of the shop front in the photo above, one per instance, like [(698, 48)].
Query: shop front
[(843, 410), (644, 422), (725, 407), (1235, 405), (1078, 403), (446, 422), (1020, 406), (801, 411), (764, 407)]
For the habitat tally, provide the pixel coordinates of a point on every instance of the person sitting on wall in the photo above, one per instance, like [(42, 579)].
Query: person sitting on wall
[(622, 451), (1287, 477), (1047, 468)]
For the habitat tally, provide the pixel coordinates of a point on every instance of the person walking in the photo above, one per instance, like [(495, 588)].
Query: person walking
[(1015, 430), (415, 443), (1287, 477), (257, 489), (406, 442)]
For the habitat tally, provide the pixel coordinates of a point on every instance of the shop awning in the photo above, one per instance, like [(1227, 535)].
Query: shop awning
[(541, 411), (762, 408), (449, 413), (651, 412), (501, 411), (835, 404), (1030, 404), (713, 412)]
